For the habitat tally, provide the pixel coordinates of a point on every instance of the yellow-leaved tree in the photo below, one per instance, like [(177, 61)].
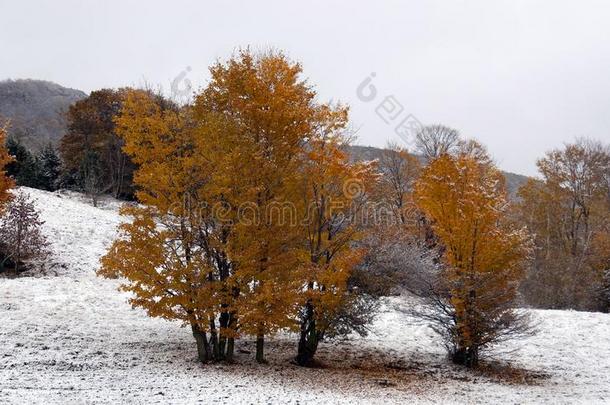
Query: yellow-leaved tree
[(167, 252), (483, 256), (269, 112), (219, 241), (334, 193)]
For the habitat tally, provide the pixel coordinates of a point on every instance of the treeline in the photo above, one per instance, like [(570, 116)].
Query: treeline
[(568, 212), (94, 161), (90, 157)]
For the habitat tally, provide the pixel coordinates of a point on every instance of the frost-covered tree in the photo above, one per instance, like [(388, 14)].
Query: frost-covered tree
[(396, 262), (568, 211), (472, 301), (21, 238), (90, 177), (399, 171)]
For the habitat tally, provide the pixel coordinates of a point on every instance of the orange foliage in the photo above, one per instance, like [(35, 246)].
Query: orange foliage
[(220, 240), (332, 189), (5, 182), (464, 198)]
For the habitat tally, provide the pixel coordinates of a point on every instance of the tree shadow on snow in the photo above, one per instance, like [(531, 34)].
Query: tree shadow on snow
[(342, 364)]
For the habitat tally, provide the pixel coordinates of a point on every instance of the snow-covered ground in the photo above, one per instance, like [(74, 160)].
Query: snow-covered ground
[(70, 337)]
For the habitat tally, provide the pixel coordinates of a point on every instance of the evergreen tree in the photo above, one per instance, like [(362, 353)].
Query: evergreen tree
[(18, 152), (49, 164), (25, 167)]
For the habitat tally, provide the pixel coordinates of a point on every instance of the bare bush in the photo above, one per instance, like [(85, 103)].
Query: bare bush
[(21, 238)]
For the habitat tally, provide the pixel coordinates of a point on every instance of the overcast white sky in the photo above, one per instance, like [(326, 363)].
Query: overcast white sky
[(521, 76)]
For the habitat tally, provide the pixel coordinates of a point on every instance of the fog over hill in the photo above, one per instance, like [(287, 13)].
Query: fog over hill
[(36, 110)]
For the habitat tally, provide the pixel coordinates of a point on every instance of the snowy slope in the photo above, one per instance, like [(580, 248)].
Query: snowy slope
[(70, 337)]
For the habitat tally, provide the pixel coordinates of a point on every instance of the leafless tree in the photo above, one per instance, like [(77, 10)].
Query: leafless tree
[(495, 324), (473, 149), (400, 170), (433, 141), (395, 262)]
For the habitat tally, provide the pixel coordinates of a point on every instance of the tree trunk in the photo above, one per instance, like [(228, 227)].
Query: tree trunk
[(231, 339), (203, 347), (260, 348), (309, 338), (466, 356), (214, 340), (222, 343), (230, 350)]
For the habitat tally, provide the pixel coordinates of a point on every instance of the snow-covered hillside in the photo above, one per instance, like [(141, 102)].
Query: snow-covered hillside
[(70, 337)]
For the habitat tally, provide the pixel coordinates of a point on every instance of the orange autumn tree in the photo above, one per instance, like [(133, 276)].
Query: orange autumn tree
[(278, 146), (6, 183), (271, 112), (164, 252), (333, 192), (217, 241), (483, 255)]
